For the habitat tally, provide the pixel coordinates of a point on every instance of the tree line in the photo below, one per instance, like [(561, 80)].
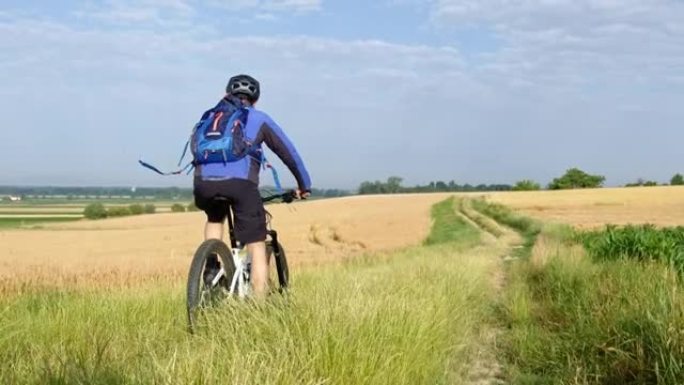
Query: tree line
[(133, 193), (393, 186), (573, 178)]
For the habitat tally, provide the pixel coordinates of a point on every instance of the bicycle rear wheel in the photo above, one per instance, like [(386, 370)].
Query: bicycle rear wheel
[(207, 288), (278, 269)]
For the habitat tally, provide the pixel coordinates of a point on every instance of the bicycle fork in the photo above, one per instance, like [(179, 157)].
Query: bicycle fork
[(240, 283)]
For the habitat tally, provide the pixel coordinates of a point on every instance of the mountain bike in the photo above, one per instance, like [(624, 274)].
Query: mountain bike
[(229, 277)]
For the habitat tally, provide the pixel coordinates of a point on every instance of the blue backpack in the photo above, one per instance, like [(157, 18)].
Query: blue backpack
[(218, 137)]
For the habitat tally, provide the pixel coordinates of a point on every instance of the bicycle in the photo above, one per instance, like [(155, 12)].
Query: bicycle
[(232, 279)]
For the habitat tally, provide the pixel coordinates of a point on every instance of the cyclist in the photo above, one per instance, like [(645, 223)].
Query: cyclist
[(238, 181)]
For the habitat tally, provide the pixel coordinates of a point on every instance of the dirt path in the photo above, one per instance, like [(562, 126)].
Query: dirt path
[(485, 368)]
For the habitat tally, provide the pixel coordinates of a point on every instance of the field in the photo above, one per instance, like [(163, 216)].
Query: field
[(33, 214), (129, 249), (400, 289), (663, 205)]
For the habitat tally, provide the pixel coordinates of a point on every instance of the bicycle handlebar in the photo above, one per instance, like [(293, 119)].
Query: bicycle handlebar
[(287, 197)]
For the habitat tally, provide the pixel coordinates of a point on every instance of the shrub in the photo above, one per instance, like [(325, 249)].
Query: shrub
[(192, 207), (118, 211), (677, 180), (95, 211), (177, 208), (136, 209), (526, 185), (149, 208), (576, 178)]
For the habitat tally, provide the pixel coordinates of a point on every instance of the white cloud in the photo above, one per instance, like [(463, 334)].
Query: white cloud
[(139, 90), (572, 42), (268, 5), (174, 13), (558, 89)]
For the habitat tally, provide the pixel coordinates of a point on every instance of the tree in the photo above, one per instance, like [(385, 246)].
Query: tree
[(526, 185), (677, 180), (95, 211), (177, 208), (394, 184), (576, 178), (136, 209), (192, 207), (149, 208), (118, 211)]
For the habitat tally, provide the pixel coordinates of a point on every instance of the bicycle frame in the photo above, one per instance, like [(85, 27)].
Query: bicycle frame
[(240, 282)]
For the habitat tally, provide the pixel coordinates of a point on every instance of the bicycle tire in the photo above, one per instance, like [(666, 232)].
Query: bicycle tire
[(282, 269), (196, 287)]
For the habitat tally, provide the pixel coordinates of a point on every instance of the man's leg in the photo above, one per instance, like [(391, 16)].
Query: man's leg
[(213, 230), (259, 273)]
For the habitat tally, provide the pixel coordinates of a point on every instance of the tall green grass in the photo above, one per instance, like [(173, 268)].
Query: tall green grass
[(571, 319), (406, 319), (644, 243)]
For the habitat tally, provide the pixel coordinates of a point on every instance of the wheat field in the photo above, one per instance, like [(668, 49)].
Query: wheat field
[(133, 249), (662, 205)]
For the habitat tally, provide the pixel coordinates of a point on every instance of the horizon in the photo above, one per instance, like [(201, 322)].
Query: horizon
[(463, 90)]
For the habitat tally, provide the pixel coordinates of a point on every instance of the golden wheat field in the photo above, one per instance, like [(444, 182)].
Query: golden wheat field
[(132, 249), (662, 205)]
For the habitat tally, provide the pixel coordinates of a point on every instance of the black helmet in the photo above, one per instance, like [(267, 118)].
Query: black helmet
[(244, 85)]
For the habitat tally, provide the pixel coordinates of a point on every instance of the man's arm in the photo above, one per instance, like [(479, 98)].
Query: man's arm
[(280, 144)]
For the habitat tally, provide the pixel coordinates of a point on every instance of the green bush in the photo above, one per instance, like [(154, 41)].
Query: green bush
[(677, 180), (177, 208), (118, 211), (136, 209), (192, 207), (526, 185), (95, 211), (576, 178), (149, 208)]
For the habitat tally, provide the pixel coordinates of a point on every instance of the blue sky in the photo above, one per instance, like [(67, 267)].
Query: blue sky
[(472, 90)]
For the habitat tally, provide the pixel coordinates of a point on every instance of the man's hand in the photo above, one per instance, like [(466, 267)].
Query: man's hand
[(302, 194)]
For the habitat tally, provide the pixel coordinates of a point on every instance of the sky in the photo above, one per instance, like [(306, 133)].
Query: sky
[(476, 91)]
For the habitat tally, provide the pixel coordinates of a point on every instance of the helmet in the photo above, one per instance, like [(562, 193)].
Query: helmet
[(244, 85)]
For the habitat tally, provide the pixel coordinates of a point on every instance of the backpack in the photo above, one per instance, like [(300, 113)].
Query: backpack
[(219, 136)]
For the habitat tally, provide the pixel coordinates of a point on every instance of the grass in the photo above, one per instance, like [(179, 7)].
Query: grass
[(528, 228), (580, 322), (483, 221), (31, 222), (448, 226), (572, 319), (645, 242), (409, 318)]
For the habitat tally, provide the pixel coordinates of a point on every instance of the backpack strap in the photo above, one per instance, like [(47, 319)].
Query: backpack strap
[(266, 164), (188, 167)]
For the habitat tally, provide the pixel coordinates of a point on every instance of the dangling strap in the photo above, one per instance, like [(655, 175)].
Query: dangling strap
[(188, 167), (185, 150), (266, 164)]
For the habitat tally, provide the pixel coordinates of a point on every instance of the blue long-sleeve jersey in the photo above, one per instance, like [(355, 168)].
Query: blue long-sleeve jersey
[(260, 129)]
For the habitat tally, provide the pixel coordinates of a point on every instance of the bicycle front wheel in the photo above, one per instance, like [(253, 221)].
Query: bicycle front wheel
[(211, 272), (278, 269)]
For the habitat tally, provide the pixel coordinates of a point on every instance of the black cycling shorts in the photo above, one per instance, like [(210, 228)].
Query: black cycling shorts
[(244, 198)]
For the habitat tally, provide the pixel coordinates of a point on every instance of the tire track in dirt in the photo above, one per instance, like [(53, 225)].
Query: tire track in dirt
[(485, 368)]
